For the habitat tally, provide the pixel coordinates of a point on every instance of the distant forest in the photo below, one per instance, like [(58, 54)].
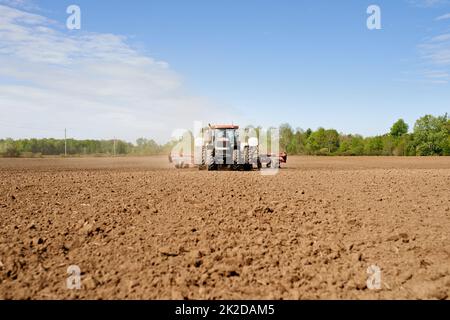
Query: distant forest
[(430, 136)]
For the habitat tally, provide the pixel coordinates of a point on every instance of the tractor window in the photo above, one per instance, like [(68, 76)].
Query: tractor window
[(230, 135), (225, 134), (220, 134)]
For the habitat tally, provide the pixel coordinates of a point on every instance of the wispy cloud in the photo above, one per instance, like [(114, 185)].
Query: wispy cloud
[(95, 83), (440, 38), (21, 4), (443, 17), (435, 53), (437, 76), (427, 3), (437, 50)]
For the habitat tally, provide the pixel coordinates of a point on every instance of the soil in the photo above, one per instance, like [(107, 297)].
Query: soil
[(139, 229)]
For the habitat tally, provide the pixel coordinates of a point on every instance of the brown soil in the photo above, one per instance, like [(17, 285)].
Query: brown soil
[(141, 230)]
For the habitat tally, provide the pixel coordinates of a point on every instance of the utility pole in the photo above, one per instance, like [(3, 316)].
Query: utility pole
[(65, 142), (114, 148)]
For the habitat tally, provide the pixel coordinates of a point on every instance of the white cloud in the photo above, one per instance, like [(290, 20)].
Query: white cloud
[(437, 76), (427, 3), (95, 84), (443, 17), (441, 38), (22, 4), (435, 52)]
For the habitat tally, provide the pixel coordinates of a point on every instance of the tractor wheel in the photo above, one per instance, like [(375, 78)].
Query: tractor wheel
[(202, 165), (235, 156), (203, 156), (247, 164), (256, 159), (235, 165), (246, 155), (210, 160)]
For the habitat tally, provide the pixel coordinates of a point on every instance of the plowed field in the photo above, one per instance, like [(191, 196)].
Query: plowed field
[(139, 229)]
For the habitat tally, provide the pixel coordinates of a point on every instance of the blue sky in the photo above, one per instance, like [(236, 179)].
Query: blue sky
[(308, 63)]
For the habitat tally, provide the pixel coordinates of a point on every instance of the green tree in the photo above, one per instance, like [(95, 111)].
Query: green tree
[(316, 141), (147, 147), (351, 145), (446, 142), (11, 149), (323, 141), (297, 145), (373, 146), (389, 145), (286, 137), (431, 135), (399, 128), (308, 133), (332, 137)]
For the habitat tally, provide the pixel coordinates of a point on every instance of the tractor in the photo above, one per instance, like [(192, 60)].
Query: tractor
[(222, 149), (225, 147)]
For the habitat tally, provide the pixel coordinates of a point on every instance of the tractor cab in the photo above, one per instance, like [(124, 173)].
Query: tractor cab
[(223, 149), (225, 141)]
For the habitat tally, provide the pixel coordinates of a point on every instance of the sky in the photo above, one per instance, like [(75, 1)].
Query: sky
[(150, 68)]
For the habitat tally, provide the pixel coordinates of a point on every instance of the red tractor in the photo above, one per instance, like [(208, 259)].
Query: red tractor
[(221, 148)]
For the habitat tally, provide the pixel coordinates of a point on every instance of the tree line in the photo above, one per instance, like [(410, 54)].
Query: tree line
[(57, 147), (429, 136)]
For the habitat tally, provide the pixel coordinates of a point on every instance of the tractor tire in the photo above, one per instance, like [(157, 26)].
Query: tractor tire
[(247, 164), (210, 162), (203, 156), (246, 155), (256, 159), (235, 164), (202, 164), (235, 156)]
